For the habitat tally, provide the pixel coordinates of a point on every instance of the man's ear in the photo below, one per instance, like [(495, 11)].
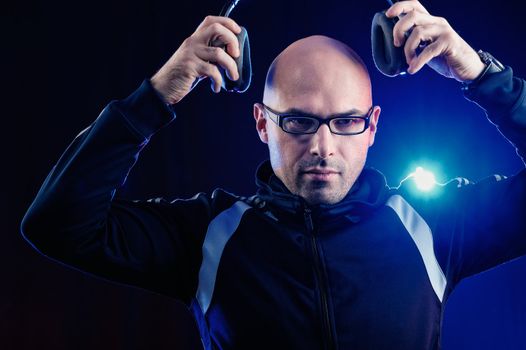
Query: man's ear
[(261, 122), (373, 124)]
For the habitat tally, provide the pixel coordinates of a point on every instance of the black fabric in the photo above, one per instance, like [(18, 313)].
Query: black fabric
[(293, 276), (502, 97)]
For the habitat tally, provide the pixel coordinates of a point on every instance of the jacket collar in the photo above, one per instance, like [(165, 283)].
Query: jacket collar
[(370, 191)]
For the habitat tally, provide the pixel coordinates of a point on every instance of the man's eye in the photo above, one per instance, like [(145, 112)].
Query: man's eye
[(300, 121), (344, 122), (299, 124)]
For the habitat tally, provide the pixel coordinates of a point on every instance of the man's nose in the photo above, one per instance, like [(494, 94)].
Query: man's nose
[(323, 143)]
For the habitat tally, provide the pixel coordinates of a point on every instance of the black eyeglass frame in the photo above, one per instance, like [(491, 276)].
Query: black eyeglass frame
[(280, 118)]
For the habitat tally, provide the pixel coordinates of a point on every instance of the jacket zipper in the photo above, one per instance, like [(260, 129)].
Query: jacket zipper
[(319, 274)]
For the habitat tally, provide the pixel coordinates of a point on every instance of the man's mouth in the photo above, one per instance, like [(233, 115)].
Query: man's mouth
[(319, 174)]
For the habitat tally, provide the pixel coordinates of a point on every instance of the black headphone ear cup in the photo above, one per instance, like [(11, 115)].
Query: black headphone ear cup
[(389, 60), (244, 66)]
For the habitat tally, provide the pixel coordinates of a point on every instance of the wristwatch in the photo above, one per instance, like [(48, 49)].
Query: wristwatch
[(492, 66)]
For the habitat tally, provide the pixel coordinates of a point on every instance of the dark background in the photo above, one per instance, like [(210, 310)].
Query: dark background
[(64, 61)]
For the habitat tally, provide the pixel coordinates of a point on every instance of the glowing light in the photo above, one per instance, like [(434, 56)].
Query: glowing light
[(424, 179)]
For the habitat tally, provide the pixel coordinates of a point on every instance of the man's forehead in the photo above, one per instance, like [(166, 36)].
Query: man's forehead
[(322, 100), (318, 74), (299, 110)]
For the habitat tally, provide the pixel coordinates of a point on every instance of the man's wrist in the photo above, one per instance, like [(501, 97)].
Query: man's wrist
[(145, 111), (492, 65)]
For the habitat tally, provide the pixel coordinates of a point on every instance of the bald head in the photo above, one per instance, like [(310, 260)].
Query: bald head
[(317, 67), (323, 77)]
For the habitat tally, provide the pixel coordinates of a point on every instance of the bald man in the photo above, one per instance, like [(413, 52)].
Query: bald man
[(318, 76), (325, 255)]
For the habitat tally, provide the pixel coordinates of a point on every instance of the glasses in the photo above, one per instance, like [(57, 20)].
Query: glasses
[(301, 123)]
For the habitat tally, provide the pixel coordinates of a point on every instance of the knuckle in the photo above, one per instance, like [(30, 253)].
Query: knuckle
[(232, 39), (229, 20), (189, 62), (205, 69), (443, 21), (188, 41), (411, 15), (396, 7), (216, 26), (187, 73), (418, 30), (208, 19), (447, 36), (215, 51)]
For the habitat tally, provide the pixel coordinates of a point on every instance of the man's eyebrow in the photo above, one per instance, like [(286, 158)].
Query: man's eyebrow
[(353, 111)]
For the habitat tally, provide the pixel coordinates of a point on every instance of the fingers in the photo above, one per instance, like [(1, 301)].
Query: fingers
[(424, 37), (195, 59), (411, 13), (420, 34), (218, 33), (431, 51), (403, 27), (402, 7), (211, 71), (225, 21), (221, 31), (219, 56)]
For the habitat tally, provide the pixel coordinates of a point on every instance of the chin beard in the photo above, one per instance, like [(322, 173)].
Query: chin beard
[(318, 197)]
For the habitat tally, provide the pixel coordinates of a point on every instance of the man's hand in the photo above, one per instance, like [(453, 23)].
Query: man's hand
[(194, 59), (446, 52)]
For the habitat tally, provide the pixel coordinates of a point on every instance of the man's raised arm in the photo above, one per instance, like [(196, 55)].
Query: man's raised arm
[(76, 219), (488, 217)]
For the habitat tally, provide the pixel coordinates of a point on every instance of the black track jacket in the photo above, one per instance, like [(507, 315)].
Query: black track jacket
[(270, 272)]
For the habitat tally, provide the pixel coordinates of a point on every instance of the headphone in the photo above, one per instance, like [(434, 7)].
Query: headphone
[(388, 59), (243, 62)]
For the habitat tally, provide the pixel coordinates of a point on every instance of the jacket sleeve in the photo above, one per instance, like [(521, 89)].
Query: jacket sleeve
[(75, 218), (502, 97), (490, 227)]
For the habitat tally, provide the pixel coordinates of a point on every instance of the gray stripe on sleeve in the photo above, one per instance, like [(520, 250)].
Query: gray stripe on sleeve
[(220, 230), (423, 238)]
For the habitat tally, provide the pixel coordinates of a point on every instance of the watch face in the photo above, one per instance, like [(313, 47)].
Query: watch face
[(485, 57), (492, 66), (488, 59)]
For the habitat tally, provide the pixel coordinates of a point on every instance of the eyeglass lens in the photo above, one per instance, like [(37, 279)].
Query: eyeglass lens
[(343, 125)]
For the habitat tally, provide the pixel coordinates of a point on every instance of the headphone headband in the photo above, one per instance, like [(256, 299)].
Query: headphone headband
[(228, 8), (389, 60)]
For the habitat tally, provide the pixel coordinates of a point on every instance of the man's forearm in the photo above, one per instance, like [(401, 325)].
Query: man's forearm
[(502, 96), (78, 191)]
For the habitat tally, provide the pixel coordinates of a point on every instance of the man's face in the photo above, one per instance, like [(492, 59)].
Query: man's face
[(320, 167)]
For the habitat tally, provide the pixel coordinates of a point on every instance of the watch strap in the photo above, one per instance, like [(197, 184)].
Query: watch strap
[(492, 66)]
